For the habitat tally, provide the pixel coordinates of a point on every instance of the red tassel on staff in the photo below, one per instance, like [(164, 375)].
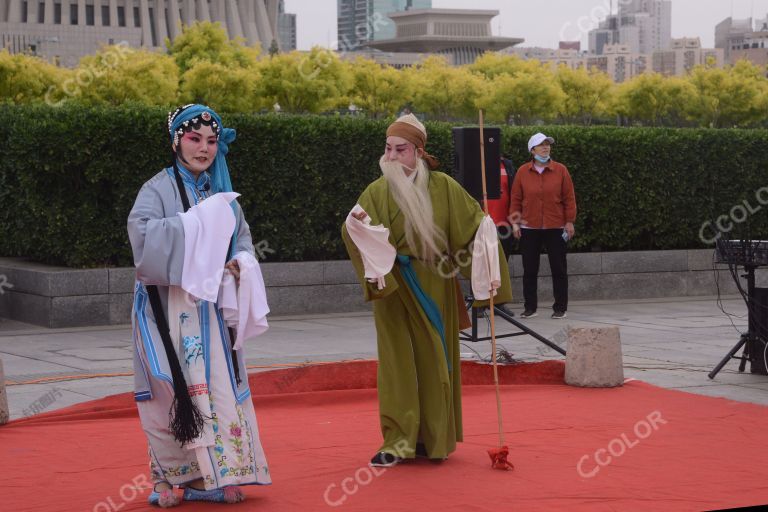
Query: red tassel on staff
[(498, 455)]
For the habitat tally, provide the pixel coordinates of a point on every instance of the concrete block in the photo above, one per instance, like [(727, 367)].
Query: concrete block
[(70, 283), (122, 280), (293, 274), (27, 281), (594, 357), (79, 311), (4, 412), (28, 308), (642, 286), (702, 282), (644, 261), (700, 259), (120, 305), (49, 281), (339, 272), (584, 263), (301, 300)]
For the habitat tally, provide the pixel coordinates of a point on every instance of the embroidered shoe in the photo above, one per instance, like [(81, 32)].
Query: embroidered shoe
[(385, 460), (221, 495), (164, 499)]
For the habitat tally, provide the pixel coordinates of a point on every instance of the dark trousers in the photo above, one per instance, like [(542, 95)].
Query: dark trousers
[(531, 243), (506, 240)]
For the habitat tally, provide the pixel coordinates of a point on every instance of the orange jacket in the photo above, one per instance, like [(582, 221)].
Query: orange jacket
[(545, 200), (498, 209)]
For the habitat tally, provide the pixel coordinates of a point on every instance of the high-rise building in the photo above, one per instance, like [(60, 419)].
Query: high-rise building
[(362, 21), (286, 28), (607, 33), (65, 30), (644, 26), (684, 54), (739, 41), (619, 62)]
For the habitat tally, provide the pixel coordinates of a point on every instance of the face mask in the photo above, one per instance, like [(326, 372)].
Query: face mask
[(541, 159)]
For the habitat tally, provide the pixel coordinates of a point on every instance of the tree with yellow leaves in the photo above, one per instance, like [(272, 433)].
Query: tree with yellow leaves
[(446, 92), (587, 94), (730, 97), (380, 90), (28, 79), (493, 64), (117, 74), (652, 99), (524, 98), (207, 41), (223, 89), (305, 82)]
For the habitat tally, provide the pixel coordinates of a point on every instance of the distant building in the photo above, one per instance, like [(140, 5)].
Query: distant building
[(740, 39), (397, 60), (684, 54), (571, 58), (286, 28), (619, 62), (66, 30), (642, 25), (460, 34), (362, 21)]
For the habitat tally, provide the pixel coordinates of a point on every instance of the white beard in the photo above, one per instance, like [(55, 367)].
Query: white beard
[(423, 236)]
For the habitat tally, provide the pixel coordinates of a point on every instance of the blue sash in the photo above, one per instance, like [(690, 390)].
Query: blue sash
[(427, 304)]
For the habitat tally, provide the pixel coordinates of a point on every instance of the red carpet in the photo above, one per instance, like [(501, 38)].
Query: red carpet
[(658, 449)]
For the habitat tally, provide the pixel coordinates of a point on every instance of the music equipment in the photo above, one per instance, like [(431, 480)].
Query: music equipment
[(749, 254), (466, 161)]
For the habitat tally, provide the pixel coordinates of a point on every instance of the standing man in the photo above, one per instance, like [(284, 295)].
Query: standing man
[(543, 211), (427, 221)]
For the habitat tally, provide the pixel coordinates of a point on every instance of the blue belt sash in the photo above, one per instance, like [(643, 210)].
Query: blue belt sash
[(427, 304)]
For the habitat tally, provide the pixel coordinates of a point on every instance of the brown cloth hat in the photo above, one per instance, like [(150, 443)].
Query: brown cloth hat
[(410, 128)]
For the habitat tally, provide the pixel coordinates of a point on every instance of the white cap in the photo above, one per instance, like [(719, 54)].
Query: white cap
[(413, 121), (537, 139)]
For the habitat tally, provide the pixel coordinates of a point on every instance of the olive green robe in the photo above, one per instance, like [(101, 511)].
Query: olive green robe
[(419, 396)]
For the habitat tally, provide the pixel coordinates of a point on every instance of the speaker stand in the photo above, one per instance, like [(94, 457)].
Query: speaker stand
[(524, 330)]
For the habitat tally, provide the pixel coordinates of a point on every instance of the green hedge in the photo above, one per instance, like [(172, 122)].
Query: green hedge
[(70, 175)]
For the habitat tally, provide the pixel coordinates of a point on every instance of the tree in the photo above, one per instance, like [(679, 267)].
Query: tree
[(444, 91), (587, 94), (117, 74), (27, 79), (490, 65), (650, 98), (273, 49), (524, 98), (300, 82), (221, 88), (730, 97), (378, 90), (206, 41)]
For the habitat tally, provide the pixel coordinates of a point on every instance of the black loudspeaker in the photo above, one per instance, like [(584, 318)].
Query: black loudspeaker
[(466, 161), (758, 327)]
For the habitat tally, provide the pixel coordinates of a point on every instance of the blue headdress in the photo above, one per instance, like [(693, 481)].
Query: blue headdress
[(180, 121)]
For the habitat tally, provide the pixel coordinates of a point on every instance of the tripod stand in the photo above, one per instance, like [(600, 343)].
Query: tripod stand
[(469, 299), (749, 339)]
